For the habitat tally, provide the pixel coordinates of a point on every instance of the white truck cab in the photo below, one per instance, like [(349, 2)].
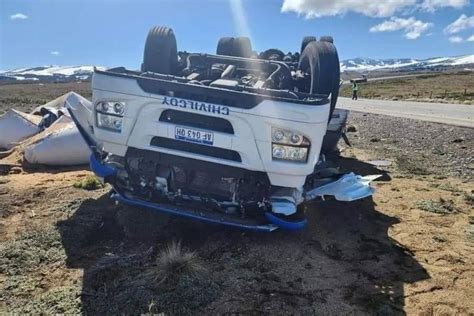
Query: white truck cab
[(231, 138)]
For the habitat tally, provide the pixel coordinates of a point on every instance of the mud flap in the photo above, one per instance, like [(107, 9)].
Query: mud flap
[(349, 187)]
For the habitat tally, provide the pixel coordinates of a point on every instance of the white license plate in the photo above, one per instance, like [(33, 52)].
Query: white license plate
[(193, 135)]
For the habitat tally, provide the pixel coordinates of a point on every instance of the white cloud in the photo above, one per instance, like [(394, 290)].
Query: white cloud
[(373, 8), (462, 23), (471, 38), (432, 5), (319, 8), (55, 52), (456, 39), (413, 28), (18, 16)]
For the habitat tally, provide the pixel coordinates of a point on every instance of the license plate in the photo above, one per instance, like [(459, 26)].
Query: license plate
[(193, 135)]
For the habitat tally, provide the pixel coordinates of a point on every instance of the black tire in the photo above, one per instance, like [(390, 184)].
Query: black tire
[(321, 61), (273, 54), (242, 47), (160, 55), (328, 39), (306, 41), (225, 46)]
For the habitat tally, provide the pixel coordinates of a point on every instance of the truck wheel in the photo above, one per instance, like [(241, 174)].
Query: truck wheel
[(225, 46), (328, 39), (306, 41), (273, 54), (160, 54), (321, 61), (242, 47)]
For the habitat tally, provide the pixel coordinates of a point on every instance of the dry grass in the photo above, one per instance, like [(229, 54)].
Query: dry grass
[(412, 166), (174, 262), (442, 87), (34, 248), (469, 197), (439, 207), (25, 97)]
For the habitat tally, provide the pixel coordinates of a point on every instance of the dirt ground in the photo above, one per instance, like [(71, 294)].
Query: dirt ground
[(439, 87), (408, 250)]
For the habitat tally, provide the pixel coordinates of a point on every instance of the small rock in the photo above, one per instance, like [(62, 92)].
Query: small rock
[(351, 129), (440, 238)]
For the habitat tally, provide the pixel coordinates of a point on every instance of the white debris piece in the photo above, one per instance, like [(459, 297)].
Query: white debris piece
[(58, 104), (349, 187), (16, 126), (59, 145)]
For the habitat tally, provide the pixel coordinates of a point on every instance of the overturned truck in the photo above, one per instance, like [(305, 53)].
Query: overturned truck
[(233, 138)]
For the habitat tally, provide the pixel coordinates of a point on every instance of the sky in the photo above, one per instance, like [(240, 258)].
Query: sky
[(112, 33)]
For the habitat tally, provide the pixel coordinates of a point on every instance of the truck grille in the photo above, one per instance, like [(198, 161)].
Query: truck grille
[(211, 123), (198, 149)]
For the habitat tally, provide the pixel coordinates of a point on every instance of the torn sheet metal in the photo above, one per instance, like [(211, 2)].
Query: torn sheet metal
[(16, 126), (349, 187)]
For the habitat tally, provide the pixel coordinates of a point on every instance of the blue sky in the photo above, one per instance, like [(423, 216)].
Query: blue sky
[(112, 33)]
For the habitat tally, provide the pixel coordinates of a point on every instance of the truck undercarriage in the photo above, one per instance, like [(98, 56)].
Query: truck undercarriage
[(232, 138)]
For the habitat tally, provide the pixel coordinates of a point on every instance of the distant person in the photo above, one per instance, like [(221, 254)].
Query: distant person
[(355, 89)]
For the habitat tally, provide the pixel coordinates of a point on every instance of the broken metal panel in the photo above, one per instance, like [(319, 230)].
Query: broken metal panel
[(349, 187)]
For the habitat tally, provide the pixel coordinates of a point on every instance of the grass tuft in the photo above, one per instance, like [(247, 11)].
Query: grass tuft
[(414, 167), (445, 186), (174, 262), (439, 207), (469, 197), (90, 183)]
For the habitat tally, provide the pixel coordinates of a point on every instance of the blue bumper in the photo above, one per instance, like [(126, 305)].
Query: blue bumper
[(108, 173), (99, 169)]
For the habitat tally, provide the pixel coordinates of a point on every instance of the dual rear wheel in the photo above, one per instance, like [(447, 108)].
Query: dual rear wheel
[(318, 61)]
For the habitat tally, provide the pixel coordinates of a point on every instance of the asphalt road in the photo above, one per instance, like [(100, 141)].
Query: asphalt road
[(452, 114)]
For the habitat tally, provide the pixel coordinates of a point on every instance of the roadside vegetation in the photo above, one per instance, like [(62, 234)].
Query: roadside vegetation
[(441, 87), (440, 207), (25, 97), (90, 183)]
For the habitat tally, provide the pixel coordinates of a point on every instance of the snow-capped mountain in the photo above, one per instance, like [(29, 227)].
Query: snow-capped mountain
[(49, 73), (74, 73), (367, 64)]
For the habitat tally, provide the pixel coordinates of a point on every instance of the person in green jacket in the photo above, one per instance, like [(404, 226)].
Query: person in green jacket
[(355, 89)]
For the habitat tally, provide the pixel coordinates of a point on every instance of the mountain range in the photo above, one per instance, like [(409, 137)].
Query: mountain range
[(406, 64), (363, 65)]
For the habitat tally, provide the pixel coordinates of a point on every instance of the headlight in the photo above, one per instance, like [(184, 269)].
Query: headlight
[(281, 152), (110, 122), (119, 108), (110, 115), (110, 107), (286, 137), (289, 145)]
